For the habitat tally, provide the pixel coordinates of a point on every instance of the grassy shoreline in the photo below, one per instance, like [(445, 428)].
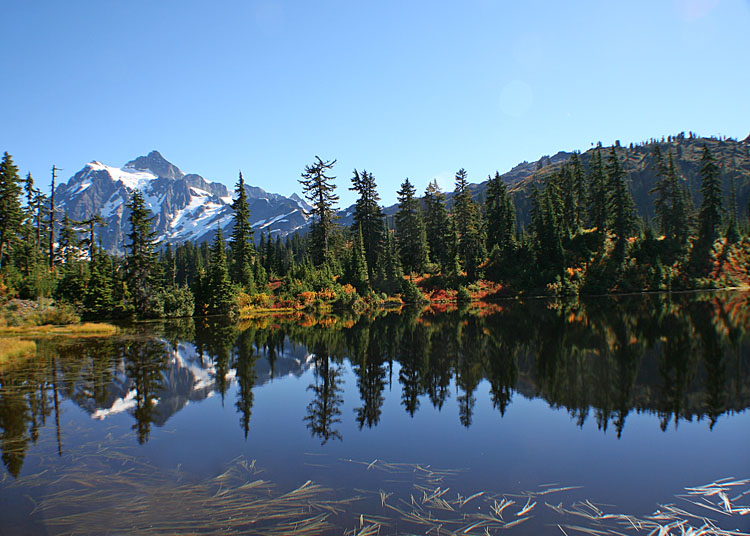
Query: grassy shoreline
[(95, 329)]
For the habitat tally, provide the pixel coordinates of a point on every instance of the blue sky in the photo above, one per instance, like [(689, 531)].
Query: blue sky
[(402, 89)]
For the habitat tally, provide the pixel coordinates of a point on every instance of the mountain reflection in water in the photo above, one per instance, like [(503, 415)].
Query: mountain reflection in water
[(679, 357)]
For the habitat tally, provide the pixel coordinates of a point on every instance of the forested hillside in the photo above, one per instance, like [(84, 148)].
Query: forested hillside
[(658, 216), (639, 164)]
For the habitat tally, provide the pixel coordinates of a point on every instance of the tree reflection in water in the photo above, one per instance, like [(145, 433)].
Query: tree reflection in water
[(678, 357)]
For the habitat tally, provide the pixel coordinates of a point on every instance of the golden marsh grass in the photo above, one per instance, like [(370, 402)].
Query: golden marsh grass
[(13, 348)]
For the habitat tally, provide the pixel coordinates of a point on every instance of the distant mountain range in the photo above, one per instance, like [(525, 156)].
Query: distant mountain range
[(189, 207), (185, 206)]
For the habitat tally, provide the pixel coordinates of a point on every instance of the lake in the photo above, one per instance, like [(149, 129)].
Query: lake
[(619, 415)]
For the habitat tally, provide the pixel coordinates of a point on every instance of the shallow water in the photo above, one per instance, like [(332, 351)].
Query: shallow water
[(203, 427)]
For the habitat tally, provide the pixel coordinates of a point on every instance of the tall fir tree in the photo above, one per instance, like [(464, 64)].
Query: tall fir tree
[(357, 274), (393, 274), (11, 215), (241, 242), (98, 298), (579, 189), (437, 226), (709, 216), (141, 257), (500, 215), (219, 286), (466, 215), (662, 205), (69, 243), (318, 188), (679, 213), (597, 193), (621, 204), (410, 230), (368, 217)]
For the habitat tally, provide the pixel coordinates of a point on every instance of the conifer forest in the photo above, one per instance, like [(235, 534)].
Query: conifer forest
[(664, 215)]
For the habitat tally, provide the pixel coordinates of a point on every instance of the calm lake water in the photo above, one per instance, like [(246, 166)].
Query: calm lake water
[(618, 416)]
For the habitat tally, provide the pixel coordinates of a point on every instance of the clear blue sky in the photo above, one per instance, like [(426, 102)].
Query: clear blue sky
[(402, 89)]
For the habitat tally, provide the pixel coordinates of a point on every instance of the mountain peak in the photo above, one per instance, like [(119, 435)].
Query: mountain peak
[(157, 164)]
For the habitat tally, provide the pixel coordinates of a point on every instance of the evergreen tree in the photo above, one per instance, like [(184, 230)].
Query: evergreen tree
[(98, 298), (733, 231), (579, 189), (709, 216), (11, 215), (241, 244), (679, 219), (219, 287), (357, 274), (410, 231), (262, 249), (393, 274), (621, 204), (437, 226), (318, 188), (52, 213), (141, 258), (564, 183), (500, 215), (471, 249), (597, 193), (661, 189), (89, 242), (169, 266), (546, 215), (368, 217), (69, 243)]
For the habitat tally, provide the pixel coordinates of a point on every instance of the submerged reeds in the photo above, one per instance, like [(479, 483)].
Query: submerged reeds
[(101, 487)]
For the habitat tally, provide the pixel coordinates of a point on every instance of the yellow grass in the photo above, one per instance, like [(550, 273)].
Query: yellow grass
[(85, 329), (256, 311), (13, 348)]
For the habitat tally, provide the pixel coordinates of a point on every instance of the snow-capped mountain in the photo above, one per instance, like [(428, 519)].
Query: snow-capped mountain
[(185, 206)]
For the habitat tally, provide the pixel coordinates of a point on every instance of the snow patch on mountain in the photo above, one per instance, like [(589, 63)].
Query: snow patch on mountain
[(185, 206)]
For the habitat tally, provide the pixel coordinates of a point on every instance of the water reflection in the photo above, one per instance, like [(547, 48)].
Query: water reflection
[(680, 357)]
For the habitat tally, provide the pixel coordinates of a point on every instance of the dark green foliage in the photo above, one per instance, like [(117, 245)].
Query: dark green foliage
[(141, 258), (98, 299), (597, 193), (410, 292), (71, 283), (620, 205), (318, 188), (440, 237), (241, 242), (356, 273), (410, 230), (663, 200), (68, 242), (220, 294), (392, 272), (578, 177), (546, 216), (177, 302), (711, 206), (500, 214), (11, 215), (471, 250), (368, 218)]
